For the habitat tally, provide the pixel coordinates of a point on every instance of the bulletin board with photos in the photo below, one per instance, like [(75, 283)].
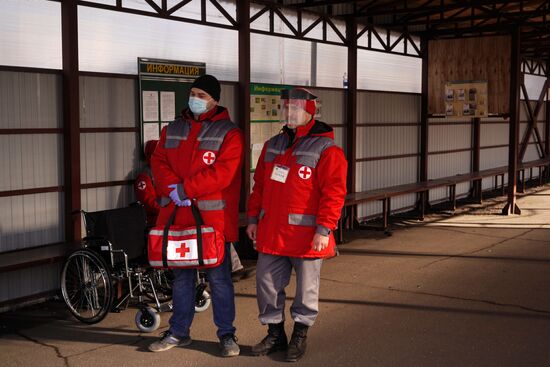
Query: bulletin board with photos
[(467, 98)]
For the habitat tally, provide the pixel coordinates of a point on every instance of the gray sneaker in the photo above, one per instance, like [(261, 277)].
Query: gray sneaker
[(168, 341), (229, 346)]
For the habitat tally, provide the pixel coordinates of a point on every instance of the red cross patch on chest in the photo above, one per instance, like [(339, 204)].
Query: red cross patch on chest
[(304, 172), (209, 157), (141, 185)]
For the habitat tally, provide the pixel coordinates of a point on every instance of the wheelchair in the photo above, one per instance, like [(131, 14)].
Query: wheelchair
[(111, 269)]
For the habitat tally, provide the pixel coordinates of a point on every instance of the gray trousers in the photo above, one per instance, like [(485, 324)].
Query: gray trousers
[(272, 277)]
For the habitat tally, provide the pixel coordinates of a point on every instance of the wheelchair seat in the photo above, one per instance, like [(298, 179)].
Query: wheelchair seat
[(125, 228)]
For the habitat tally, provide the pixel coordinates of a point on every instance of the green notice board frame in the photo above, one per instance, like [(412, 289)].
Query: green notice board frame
[(164, 87)]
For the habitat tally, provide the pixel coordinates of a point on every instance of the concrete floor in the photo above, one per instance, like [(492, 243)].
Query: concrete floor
[(471, 289)]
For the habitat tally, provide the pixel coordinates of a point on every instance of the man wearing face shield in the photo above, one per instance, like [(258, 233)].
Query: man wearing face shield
[(199, 159), (298, 194)]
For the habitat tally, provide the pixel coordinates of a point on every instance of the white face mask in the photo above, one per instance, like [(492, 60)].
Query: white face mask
[(197, 105)]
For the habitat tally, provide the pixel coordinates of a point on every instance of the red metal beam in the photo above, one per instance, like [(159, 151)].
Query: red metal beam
[(71, 118), (243, 21), (515, 82)]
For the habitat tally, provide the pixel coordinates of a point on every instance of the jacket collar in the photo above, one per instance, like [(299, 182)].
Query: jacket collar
[(215, 114), (312, 128)]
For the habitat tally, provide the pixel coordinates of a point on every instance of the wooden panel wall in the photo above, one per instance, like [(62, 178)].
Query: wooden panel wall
[(482, 58)]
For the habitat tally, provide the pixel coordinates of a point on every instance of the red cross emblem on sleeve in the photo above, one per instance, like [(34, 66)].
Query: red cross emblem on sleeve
[(141, 185), (304, 172), (209, 158), (183, 251)]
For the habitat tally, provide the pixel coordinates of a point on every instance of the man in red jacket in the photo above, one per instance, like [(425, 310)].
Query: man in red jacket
[(199, 158), (298, 194), (144, 188)]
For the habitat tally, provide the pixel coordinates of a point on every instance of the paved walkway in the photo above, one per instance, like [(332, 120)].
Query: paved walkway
[(471, 289)]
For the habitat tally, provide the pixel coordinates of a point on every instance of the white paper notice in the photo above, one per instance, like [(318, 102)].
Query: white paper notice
[(150, 105), (167, 106), (150, 132)]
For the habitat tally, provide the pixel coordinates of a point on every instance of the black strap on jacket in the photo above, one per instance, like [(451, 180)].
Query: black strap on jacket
[(198, 222)]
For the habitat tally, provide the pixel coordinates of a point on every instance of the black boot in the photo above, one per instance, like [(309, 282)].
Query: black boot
[(274, 341), (297, 345)]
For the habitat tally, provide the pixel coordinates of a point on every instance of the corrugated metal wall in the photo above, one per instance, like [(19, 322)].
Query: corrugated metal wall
[(108, 156), (30, 161), (494, 147), (333, 107), (449, 153), (387, 145)]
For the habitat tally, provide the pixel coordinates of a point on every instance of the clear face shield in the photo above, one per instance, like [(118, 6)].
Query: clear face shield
[(293, 112)]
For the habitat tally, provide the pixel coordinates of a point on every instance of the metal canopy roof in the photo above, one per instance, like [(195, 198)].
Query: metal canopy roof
[(446, 18)]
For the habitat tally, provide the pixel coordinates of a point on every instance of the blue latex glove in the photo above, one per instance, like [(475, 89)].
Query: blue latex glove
[(175, 196)]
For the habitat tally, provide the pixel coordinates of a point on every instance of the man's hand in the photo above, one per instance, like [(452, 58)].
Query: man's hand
[(174, 195), (251, 231), (320, 242)]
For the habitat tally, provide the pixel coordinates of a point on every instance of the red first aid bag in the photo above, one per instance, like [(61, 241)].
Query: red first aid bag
[(173, 246)]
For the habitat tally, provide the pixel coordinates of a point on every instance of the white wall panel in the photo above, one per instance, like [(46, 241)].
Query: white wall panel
[(384, 173), (531, 154), (382, 71), (230, 100), (103, 198), (25, 282), (333, 104), (30, 161), (112, 41), (443, 165), (377, 141), (493, 134), (108, 156), (340, 137), (108, 102), (30, 220), (449, 137), (30, 33), (494, 157), (373, 107), (30, 100)]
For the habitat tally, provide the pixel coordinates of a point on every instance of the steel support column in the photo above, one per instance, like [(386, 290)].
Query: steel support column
[(547, 120), (243, 20), (515, 82), (71, 119), (423, 139), (351, 105), (476, 145)]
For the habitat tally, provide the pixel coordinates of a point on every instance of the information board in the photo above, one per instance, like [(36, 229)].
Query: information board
[(466, 98), (164, 87)]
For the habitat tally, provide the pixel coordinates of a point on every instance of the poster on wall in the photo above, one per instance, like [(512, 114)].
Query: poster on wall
[(265, 118), (164, 87), (466, 98)]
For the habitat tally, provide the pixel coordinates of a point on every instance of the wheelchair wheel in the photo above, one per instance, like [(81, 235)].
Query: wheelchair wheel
[(86, 286), (203, 302), (147, 319)]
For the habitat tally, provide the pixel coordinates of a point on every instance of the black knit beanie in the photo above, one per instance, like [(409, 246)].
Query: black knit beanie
[(209, 84)]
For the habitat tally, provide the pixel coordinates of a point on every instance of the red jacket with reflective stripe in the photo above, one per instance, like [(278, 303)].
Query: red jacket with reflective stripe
[(310, 200), (145, 193), (206, 156)]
